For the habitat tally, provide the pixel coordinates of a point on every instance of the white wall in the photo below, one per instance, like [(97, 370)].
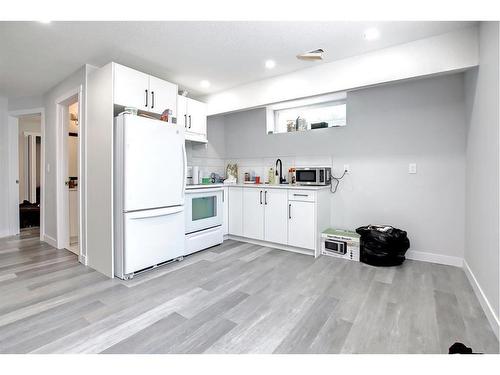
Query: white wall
[(482, 202), (443, 53), (390, 126), (27, 102), (4, 169)]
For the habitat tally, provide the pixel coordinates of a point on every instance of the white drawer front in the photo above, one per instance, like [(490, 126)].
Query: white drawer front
[(301, 195)]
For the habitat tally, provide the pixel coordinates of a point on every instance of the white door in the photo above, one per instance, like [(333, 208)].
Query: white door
[(225, 209), (235, 211), (253, 213), (275, 217), (154, 162), (152, 237), (131, 88), (182, 118), (301, 224), (13, 134), (197, 117), (163, 96)]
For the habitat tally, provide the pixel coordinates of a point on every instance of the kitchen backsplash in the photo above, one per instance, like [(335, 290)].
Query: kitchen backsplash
[(260, 166)]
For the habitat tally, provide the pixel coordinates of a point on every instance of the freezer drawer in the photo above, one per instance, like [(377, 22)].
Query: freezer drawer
[(152, 237)]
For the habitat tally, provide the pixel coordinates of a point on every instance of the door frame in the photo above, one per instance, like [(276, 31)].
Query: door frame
[(34, 111), (62, 201)]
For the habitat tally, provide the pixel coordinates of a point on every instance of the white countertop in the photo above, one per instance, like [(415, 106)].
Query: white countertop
[(204, 186), (283, 186), (257, 186)]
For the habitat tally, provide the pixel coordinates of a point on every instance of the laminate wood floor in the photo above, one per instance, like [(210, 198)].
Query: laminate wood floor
[(233, 298)]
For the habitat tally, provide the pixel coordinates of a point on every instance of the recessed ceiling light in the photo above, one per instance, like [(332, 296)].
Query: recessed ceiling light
[(45, 21), (371, 34), (270, 64), (205, 84)]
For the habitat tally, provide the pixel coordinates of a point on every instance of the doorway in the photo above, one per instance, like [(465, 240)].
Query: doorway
[(26, 129), (29, 154), (69, 173)]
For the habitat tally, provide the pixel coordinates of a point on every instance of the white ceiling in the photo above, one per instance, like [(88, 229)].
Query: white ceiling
[(36, 56)]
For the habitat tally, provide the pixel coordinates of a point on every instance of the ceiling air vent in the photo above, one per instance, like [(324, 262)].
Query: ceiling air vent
[(315, 55)]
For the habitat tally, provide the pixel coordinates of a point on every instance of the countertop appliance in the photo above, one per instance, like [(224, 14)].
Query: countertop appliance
[(204, 210), (340, 244), (313, 176), (148, 203)]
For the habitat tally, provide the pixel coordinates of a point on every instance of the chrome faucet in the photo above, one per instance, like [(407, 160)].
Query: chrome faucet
[(281, 179)]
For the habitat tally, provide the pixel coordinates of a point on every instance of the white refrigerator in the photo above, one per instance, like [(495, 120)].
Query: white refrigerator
[(149, 182)]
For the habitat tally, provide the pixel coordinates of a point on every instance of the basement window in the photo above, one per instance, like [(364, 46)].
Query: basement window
[(307, 114)]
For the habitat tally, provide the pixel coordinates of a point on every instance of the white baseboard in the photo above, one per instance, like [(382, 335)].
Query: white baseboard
[(272, 245), (485, 304), (82, 259), (51, 241), (434, 258)]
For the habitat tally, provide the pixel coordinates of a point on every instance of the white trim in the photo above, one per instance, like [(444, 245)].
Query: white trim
[(272, 245), (61, 196), (41, 111), (82, 259), (434, 258), (51, 241), (483, 300)]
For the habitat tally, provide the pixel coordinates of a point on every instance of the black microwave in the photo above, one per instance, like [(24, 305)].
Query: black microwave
[(313, 176)]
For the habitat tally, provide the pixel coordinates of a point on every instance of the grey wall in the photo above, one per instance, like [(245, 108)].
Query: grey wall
[(388, 127), (482, 202)]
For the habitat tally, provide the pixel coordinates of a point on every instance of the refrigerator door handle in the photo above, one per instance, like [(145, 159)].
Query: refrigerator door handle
[(184, 168), (147, 214)]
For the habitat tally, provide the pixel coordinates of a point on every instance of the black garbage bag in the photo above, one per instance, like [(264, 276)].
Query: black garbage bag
[(383, 245)]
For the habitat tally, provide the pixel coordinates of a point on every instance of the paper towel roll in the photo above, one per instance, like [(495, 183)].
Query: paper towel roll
[(196, 175)]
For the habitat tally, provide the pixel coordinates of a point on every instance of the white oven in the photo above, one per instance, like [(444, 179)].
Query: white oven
[(203, 208)]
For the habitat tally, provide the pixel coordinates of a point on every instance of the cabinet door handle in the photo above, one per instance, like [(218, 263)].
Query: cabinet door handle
[(185, 121), (289, 210), (146, 98), (189, 121), (300, 195), (265, 197), (152, 99), (261, 197)]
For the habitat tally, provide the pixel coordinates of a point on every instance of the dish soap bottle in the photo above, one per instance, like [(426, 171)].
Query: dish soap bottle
[(271, 176)]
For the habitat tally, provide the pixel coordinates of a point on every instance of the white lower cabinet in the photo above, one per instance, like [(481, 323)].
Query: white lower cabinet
[(301, 224), (290, 217), (275, 216), (235, 210), (253, 217), (225, 209)]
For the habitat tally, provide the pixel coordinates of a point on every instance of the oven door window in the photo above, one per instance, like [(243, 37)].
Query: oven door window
[(204, 208), (306, 176)]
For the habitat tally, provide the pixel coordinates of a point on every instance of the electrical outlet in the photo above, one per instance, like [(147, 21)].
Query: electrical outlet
[(347, 169), (412, 168)]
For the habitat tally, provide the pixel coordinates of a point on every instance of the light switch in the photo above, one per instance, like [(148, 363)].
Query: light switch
[(412, 168)]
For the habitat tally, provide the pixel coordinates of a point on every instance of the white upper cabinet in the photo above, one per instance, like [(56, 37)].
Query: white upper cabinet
[(193, 115), (131, 88), (163, 96), (144, 92), (197, 117), (182, 111)]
